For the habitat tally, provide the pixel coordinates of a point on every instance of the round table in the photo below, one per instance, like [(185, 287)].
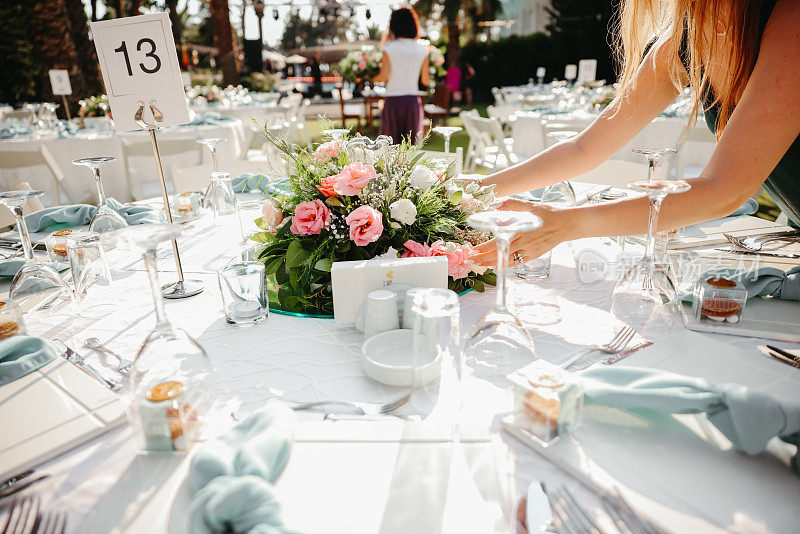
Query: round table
[(395, 476)]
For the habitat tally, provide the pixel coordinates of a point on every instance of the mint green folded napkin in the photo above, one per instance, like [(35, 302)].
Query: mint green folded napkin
[(20, 355), (252, 182), (233, 476), (81, 214), (10, 268), (748, 208), (748, 418)]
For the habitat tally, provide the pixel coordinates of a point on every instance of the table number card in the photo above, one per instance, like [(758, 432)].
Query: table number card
[(59, 81), (139, 62), (571, 72), (587, 70)]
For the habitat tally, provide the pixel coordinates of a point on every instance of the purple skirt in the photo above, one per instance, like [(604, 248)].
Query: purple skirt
[(401, 117)]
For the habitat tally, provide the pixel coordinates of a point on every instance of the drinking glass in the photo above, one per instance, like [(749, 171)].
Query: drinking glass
[(35, 279), (436, 355), (244, 292), (105, 218), (653, 156), (221, 195), (645, 297), (447, 132), (89, 270), (211, 144), (498, 343), (561, 194), (535, 269), (167, 391)]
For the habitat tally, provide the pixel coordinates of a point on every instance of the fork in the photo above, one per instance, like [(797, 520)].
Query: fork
[(52, 523), (124, 366), (367, 408), (19, 517), (756, 246), (617, 343)]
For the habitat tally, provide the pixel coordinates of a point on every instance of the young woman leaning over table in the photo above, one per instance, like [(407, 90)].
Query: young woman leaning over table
[(742, 58)]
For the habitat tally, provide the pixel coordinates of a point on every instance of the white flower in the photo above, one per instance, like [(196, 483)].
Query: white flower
[(422, 178), (403, 211)]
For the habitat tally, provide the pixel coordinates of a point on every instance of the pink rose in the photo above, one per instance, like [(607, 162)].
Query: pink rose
[(310, 218), (353, 179), (421, 250), (326, 186), (327, 151), (272, 215), (366, 225), (459, 262)]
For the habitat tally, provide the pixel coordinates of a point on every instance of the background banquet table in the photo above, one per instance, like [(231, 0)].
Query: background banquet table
[(394, 476), (105, 143)]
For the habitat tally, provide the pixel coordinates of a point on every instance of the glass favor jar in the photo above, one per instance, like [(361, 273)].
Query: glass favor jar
[(720, 301), (56, 244), (11, 322), (547, 401), (187, 205)]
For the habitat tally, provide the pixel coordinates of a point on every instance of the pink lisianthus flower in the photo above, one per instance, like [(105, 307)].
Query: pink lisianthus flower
[(459, 257), (271, 214), (422, 250), (327, 151), (366, 225), (326, 186), (353, 179), (310, 218)]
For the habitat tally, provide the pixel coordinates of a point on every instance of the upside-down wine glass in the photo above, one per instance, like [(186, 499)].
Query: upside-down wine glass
[(35, 278), (499, 344), (654, 155), (645, 297), (105, 218), (211, 144), (447, 132)]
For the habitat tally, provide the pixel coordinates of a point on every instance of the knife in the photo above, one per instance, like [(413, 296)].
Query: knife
[(77, 360), (16, 488), (754, 253), (622, 355), (784, 353)]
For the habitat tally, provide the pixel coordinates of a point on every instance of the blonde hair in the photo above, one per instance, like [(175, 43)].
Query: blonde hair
[(680, 29)]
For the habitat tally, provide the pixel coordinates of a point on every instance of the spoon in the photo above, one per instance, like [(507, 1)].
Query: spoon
[(124, 366)]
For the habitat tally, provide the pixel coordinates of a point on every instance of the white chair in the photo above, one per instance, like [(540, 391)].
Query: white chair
[(505, 113), (492, 149), (140, 149), (298, 122), (24, 115), (14, 160), (197, 177), (456, 157), (7, 219), (499, 98), (465, 117)]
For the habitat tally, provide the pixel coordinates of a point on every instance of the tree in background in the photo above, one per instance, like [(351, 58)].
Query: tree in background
[(223, 40), (299, 31), (84, 49), (16, 55), (579, 29), (458, 16)]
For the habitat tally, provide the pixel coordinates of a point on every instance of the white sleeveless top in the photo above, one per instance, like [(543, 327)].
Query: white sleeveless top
[(405, 61)]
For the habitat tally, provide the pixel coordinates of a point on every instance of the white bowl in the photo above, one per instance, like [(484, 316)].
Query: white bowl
[(386, 358)]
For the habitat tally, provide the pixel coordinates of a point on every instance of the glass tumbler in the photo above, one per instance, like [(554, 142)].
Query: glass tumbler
[(244, 292), (221, 195), (91, 276)]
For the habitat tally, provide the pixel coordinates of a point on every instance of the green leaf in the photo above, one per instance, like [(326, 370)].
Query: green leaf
[(455, 198), (262, 237), (296, 255), (324, 264), (292, 303), (260, 223), (294, 278), (478, 286), (271, 265)]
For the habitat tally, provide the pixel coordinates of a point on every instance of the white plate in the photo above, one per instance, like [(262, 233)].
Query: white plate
[(387, 358)]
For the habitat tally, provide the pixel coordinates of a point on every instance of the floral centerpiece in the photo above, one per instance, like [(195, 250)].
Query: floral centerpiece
[(94, 106), (209, 93), (361, 65), (334, 208), (436, 63)]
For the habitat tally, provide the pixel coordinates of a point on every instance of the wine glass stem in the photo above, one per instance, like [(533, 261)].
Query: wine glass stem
[(655, 208), (101, 195), (24, 237), (214, 159), (446, 144), (651, 168), (151, 264), (503, 245)]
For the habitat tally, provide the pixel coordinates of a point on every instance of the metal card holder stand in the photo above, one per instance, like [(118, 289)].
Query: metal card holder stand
[(182, 288)]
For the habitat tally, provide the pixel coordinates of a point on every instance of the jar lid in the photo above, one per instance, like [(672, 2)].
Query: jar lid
[(166, 391), (718, 281), (2, 304), (548, 380), (62, 233)]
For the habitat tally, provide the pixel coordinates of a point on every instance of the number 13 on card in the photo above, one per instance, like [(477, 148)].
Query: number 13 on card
[(139, 63)]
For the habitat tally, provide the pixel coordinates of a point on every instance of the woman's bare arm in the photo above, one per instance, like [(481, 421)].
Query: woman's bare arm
[(607, 135), (425, 73), (763, 126), (386, 67)]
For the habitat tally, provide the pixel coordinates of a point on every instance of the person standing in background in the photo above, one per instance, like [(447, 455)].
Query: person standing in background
[(467, 79), (316, 75), (452, 78), (403, 66)]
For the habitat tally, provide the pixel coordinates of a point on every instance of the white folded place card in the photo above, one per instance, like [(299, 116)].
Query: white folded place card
[(353, 280)]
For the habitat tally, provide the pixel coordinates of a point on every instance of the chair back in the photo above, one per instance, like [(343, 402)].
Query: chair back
[(499, 99), (442, 96), (140, 149), (15, 160), (16, 114), (491, 149)]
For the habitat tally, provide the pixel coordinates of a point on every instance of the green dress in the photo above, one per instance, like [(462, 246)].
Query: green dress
[(783, 183)]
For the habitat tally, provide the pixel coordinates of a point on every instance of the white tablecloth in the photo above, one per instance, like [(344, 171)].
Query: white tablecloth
[(391, 476), (91, 143), (662, 132)]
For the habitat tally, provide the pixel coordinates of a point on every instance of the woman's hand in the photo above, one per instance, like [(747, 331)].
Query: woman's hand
[(556, 228)]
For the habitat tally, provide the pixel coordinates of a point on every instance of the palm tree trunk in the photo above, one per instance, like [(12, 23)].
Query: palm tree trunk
[(84, 49), (223, 40), (119, 7), (49, 32), (135, 5)]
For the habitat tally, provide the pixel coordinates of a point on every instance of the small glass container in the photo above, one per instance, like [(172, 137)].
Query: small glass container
[(187, 206), (56, 244), (221, 197), (170, 421), (244, 292), (11, 322), (548, 401), (720, 301)]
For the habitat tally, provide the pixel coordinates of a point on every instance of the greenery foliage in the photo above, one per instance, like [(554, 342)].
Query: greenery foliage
[(16, 55)]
